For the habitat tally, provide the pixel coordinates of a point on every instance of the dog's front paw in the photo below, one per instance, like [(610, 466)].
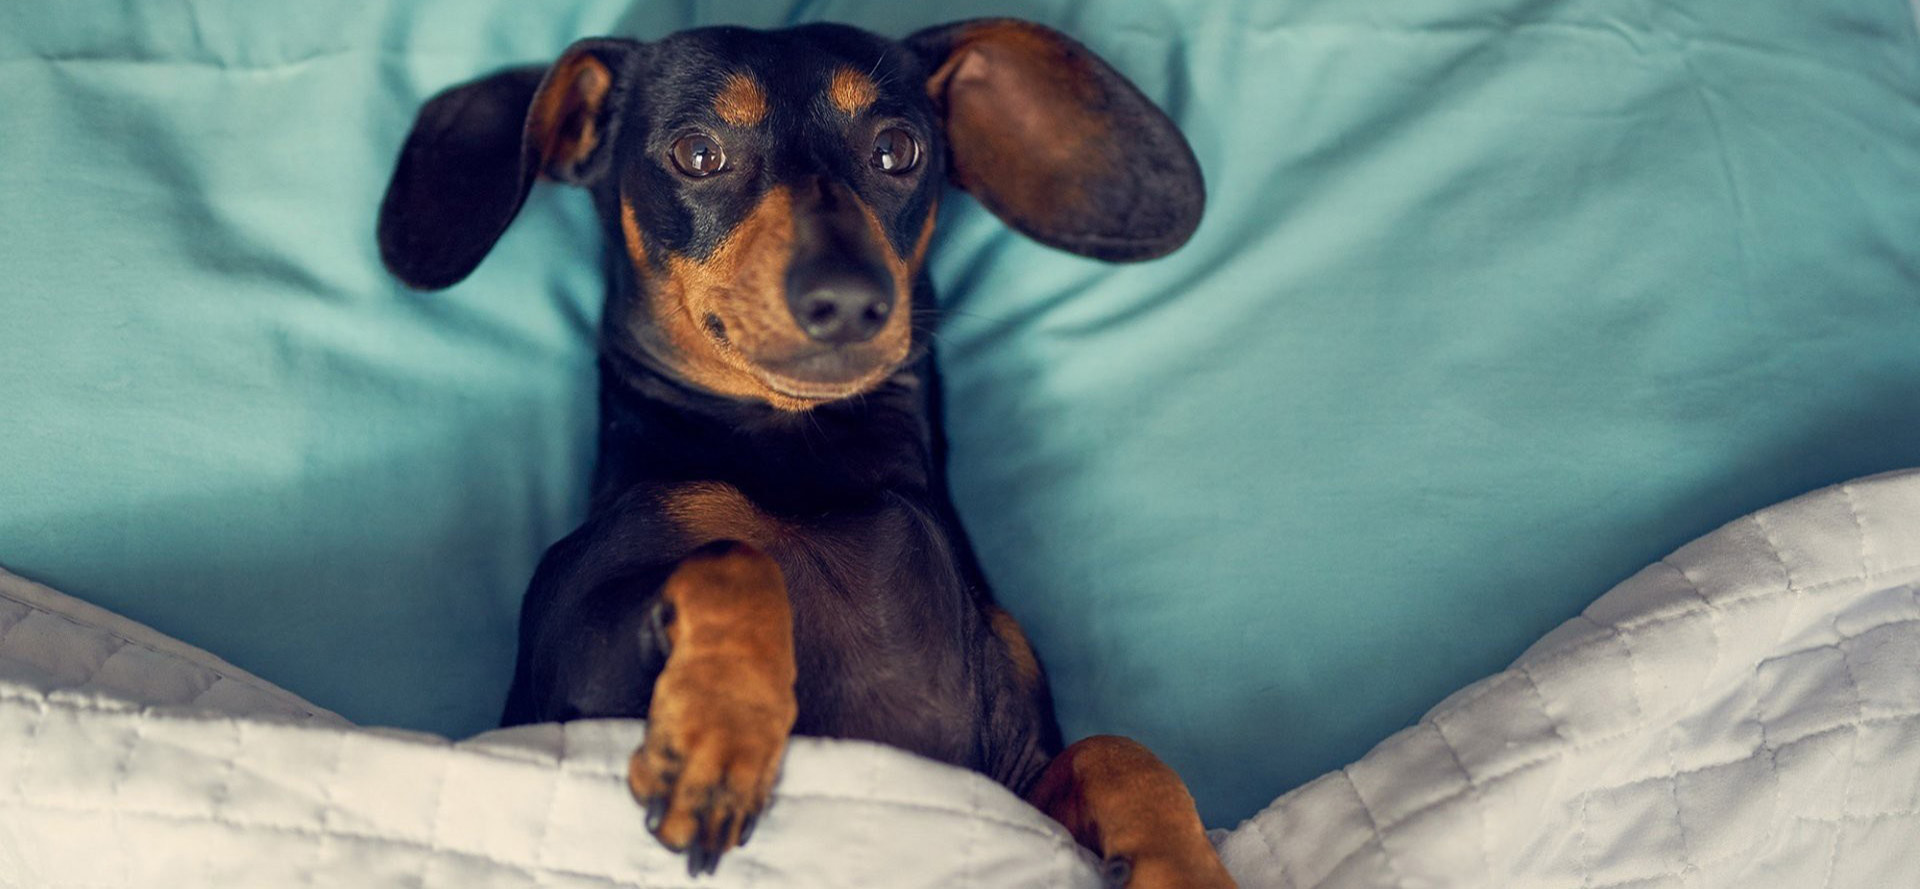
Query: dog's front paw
[(708, 764), (722, 707)]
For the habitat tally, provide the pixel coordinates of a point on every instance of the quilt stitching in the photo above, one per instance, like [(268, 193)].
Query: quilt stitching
[(1852, 501), (1766, 748), (1475, 796), (1845, 726), (329, 834), (1639, 717), (1673, 766), (93, 675), (1585, 832), (1653, 880), (439, 819), (542, 850), (1712, 620), (223, 792), (1759, 521), (1586, 875), (116, 782), (327, 829), (109, 706), (1581, 748), (1389, 826), (1848, 818), (1379, 838), (1674, 874), (1726, 675), (1853, 747), (8, 626), (326, 810), (1259, 830), (276, 694), (1540, 705), (1580, 649)]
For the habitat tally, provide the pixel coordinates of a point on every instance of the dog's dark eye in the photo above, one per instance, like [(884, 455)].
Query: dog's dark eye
[(698, 155), (894, 151)]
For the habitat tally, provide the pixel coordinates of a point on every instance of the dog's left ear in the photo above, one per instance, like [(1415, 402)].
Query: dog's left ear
[(476, 149), (1058, 144)]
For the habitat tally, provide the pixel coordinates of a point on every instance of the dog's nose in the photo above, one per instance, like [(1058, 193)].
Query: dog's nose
[(838, 288), (842, 309)]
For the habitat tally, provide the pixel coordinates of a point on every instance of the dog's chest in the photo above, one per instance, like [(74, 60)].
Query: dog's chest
[(886, 632)]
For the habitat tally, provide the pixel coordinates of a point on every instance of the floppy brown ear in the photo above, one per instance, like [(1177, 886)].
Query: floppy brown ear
[(1058, 144), (476, 149)]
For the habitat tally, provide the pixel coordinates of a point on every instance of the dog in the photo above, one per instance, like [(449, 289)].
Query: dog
[(770, 547)]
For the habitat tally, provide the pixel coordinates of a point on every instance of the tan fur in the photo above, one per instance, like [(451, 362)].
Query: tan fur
[(741, 102), (1019, 650), (724, 704), (743, 283), (709, 511), (851, 91), (1120, 800), (562, 119)]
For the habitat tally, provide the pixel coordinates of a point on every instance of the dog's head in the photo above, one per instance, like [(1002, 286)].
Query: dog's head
[(775, 191)]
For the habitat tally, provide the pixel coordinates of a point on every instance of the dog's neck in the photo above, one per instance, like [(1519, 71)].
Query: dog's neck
[(656, 427)]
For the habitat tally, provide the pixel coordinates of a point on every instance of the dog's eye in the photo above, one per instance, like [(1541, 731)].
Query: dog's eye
[(894, 151), (698, 155)]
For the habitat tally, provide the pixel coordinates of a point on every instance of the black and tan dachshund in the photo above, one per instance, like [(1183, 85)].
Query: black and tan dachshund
[(770, 547)]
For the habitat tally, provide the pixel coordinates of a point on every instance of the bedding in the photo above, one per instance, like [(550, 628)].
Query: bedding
[(1742, 713), (1496, 301)]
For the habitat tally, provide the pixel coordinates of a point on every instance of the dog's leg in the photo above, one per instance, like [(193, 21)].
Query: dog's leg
[(723, 705), (1120, 800)]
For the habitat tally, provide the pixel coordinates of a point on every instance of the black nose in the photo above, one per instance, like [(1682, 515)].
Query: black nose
[(842, 309), (839, 290)]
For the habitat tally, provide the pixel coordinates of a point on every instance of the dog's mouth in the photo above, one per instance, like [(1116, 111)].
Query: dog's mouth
[(809, 375), (824, 376), (812, 394)]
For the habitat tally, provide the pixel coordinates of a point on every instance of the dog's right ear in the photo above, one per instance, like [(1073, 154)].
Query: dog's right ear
[(476, 149)]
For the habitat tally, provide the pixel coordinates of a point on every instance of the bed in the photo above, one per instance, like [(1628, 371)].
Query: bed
[(1496, 303), (1744, 712)]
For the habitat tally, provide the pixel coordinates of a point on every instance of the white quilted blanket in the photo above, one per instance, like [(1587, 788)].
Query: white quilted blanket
[(1745, 713)]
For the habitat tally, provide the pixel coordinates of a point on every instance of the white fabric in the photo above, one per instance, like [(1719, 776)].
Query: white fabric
[(1745, 713), (53, 641), (130, 759)]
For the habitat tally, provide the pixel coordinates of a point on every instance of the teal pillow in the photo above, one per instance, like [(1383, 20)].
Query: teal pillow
[(1495, 302)]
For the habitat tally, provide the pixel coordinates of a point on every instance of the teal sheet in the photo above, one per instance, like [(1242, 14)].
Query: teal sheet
[(1496, 302)]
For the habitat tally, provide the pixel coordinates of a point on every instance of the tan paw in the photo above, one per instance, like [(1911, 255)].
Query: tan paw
[(722, 707)]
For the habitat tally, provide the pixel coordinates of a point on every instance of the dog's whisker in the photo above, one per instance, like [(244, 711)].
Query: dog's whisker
[(997, 319)]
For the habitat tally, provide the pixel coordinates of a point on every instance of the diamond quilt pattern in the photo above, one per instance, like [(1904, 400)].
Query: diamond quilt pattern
[(1743, 713)]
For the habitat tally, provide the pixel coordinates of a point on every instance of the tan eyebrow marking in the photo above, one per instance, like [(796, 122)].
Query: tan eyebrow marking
[(741, 102), (851, 91)]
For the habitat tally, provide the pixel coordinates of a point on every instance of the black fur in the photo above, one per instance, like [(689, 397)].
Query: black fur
[(891, 612)]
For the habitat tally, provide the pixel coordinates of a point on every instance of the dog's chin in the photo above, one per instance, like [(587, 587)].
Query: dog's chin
[(823, 377)]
